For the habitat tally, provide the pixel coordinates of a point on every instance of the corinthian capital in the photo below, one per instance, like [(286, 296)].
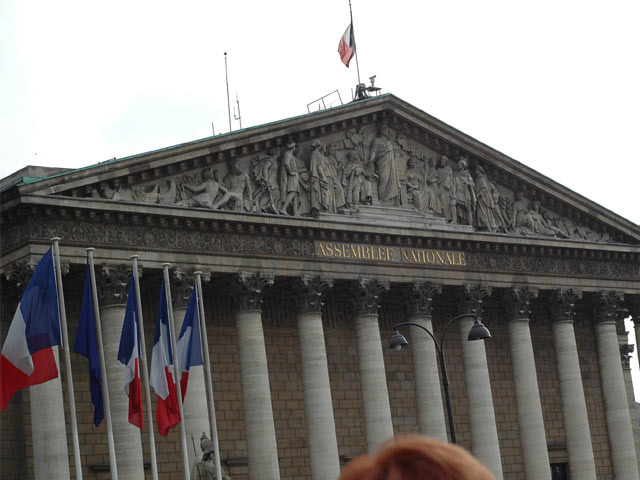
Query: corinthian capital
[(562, 303), (247, 289), (113, 284), (308, 292), (366, 295), (419, 297)]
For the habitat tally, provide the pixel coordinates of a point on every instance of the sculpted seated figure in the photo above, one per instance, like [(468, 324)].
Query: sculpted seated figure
[(238, 187), (205, 468), (206, 192)]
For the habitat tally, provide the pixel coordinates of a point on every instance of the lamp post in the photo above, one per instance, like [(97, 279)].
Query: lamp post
[(478, 332)]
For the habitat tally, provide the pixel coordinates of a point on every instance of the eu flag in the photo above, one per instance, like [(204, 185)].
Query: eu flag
[(87, 346)]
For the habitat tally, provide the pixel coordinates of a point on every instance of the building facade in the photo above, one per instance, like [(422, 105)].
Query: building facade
[(315, 236)]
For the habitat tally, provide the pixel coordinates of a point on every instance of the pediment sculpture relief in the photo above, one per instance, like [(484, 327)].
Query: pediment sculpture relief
[(342, 172)]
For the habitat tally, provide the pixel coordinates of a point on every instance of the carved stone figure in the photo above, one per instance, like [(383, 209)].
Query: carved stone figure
[(432, 203), (415, 184), (464, 194), (205, 468), (382, 159), (356, 182), (289, 181), (265, 173), (238, 189), (445, 187), (205, 192), (485, 206), (500, 209), (326, 190)]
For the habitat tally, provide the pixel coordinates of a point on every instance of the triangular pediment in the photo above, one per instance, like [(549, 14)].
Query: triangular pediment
[(375, 160)]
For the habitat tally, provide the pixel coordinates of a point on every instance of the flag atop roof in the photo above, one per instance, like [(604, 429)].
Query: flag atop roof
[(347, 45)]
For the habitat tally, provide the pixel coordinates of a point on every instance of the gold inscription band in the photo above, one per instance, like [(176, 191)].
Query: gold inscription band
[(379, 253)]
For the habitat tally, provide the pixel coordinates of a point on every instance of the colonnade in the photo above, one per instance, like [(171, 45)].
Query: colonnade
[(365, 294)]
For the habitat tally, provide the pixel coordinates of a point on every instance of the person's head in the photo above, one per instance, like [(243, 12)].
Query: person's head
[(207, 174), (414, 457), (413, 163), (315, 144), (462, 163), (444, 161)]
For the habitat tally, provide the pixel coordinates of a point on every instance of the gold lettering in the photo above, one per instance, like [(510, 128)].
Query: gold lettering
[(322, 251), (382, 253), (450, 258), (373, 254), (365, 252), (423, 258), (404, 255), (439, 257), (390, 254), (345, 251), (414, 257), (354, 252), (430, 256), (461, 258), (336, 250)]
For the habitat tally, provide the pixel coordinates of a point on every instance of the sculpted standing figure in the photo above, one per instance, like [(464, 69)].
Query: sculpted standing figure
[(485, 204), (205, 469), (445, 188), (238, 188), (289, 180), (327, 194), (382, 157), (432, 203), (265, 173), (464, 194), (415, 184), (355, 181)]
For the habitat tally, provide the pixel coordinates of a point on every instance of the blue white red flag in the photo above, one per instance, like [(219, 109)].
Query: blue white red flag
[(129, 355), (189, 346), (347, 45), (27, 355), (87, 345), (162, 381)]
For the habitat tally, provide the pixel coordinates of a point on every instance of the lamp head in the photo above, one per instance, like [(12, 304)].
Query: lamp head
[(478, 331), (397, 341)]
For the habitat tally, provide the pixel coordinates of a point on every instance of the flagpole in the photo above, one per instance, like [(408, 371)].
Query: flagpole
[(103, 370), (354, 38), (176, 370), (145, 370), (207, 374), (67, 358)]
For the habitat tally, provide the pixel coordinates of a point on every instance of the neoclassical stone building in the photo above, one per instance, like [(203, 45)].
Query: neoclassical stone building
[(316, 235)]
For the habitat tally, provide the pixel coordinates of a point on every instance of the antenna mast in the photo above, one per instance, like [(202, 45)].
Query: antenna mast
[(227, 78), (239, 117)]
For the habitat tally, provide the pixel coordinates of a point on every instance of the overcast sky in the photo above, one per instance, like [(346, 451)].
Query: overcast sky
[(553, 84)]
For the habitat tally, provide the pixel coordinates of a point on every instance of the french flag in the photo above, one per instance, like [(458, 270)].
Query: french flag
[(347, 45), (27, 355), (162, 381), (189, 346), (129, 355)]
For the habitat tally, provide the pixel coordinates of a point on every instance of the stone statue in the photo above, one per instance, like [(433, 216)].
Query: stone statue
[(500, 209), (265, 173), (432, 203), (238, 189), (463, 194), (327, 194), (415, 184), (205, 468), (445, 187), (206, 192), (383, 161), (485, 206), (289, 181), (356, 182)]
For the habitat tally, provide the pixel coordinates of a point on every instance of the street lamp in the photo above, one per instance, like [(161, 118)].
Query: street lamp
[(478, 332)]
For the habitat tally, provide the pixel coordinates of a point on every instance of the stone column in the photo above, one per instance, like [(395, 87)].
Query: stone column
[(623, 452), (112, 291), (194, 407), (484, 433), (262, 450), (424, 354), (373, 378), (533, 440), (321, 429), (13, 455), (50, 453), (632, 303), (574, 408)]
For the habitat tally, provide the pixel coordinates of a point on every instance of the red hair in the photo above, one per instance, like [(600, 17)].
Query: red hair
[(413, 457)]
